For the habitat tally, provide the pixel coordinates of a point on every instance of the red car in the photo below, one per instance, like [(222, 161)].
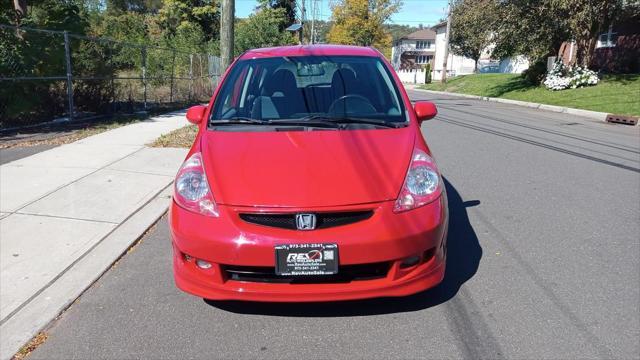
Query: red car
[(309, 180)]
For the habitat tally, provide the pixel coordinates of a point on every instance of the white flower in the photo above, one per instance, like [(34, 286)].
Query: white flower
[(560, 77)]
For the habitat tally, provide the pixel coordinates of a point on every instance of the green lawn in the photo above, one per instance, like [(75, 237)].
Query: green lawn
[(616, 94)]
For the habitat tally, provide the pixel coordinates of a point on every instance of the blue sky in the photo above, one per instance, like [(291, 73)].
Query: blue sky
[(413, 12)]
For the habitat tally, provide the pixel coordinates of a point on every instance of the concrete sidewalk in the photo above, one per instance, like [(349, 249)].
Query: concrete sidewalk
[(67, 213)]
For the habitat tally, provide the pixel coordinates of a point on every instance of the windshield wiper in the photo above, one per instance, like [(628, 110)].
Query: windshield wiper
[(289, 122), (238, 120), (353, 120), (303, 122)]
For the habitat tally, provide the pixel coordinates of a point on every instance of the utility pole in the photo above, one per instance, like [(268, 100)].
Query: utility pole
[(446, 45), (302, 16), (226, 33), (313, 21)]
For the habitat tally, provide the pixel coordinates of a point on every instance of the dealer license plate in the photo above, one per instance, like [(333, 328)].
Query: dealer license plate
[(306, 259)]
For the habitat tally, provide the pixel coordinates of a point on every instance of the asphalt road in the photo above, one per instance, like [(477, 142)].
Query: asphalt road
[(544, 262), (16, 153)]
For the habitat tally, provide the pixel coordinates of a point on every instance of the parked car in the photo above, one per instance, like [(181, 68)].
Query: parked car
[(309, 180)]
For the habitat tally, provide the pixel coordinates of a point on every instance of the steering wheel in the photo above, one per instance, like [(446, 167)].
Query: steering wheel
[(357, 104)]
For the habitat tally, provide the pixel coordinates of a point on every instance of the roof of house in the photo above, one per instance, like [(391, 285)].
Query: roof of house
[(424, 34), (439, 25)]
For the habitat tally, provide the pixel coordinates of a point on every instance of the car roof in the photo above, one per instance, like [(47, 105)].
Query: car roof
[(310, 50)]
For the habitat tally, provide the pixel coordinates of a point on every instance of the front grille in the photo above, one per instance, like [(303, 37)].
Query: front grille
[(323, 220), (346, 273)]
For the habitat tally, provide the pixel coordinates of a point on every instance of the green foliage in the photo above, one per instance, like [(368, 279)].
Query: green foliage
[(58, 15), (534, 28), (360, 22), (427, 73), (586, 20), (321, 28), (262, 29), (289, 7), (397, 30), (178, 14), (139, 6), (37, 54), (615, 94), (189, 26), (471, 27), (536, 72), (537, 28)]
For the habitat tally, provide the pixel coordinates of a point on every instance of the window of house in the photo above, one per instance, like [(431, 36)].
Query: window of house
[(423, 59), (423, 44), (607, 39)]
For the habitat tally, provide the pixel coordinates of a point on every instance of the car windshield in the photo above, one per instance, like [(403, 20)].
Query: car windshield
[(309, 88)]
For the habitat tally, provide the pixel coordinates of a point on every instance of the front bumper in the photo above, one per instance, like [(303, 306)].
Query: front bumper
[(385, 237)]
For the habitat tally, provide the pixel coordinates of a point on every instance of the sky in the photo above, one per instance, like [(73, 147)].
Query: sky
[(413, 12)]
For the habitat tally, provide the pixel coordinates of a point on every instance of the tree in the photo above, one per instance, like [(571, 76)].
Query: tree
[(472, 24), (289, 7), (586, 20), (361, 22), (321, 29), (533, 28), (262, 29), (397, 30), (175, 14), (140, 6)]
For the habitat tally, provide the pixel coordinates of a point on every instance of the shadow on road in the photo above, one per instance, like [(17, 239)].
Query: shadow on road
[(463, 257)]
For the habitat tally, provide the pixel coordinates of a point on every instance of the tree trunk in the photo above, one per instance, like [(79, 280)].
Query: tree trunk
[(590, 48), (586, 46), (21, 9), (475, 67)]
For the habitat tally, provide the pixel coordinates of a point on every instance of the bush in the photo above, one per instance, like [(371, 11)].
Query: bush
[(562, 77), (427, 73), (536, 72)]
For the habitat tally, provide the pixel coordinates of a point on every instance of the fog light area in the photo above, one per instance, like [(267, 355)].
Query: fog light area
[(203, 264), (410, 261)]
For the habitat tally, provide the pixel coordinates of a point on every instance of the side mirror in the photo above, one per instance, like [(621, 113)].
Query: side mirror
[(425, 110), (196, 113)]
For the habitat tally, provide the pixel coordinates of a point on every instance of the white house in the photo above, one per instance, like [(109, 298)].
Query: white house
[(456, 64), (411, 53), (460, 65)]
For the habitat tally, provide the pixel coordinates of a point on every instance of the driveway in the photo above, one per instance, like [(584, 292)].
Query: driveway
[(543, 263)]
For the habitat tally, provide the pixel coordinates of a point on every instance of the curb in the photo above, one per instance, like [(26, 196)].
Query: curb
[(596, 115), (40, 311)]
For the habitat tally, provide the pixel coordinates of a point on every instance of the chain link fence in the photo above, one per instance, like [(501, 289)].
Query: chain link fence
[(50, 75)]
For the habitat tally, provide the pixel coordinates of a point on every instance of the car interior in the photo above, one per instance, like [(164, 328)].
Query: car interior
[(290, 90)]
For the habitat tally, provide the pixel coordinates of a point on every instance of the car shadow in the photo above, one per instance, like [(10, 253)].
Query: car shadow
[(463, 258)]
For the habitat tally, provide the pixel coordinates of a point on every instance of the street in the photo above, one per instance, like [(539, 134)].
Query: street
[(543, 262)]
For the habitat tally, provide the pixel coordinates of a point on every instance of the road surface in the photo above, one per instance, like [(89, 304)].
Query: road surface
[(544, 262)]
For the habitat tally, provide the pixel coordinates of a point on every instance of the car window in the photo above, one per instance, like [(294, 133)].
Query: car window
[(303, 86)]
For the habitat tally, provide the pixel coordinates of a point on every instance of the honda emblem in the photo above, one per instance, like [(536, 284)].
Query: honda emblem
[(305, 221)]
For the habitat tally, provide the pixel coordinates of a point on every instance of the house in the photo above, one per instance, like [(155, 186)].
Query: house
[(411, 53), (617, 50), (456, 64), (460, 65)]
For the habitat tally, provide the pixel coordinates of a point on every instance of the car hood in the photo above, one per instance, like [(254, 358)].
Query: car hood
[(306, 168)]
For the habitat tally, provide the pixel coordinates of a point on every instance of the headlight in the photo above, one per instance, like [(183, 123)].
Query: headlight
[(191, 189), (422, 184), (192, 185), (422, 181)]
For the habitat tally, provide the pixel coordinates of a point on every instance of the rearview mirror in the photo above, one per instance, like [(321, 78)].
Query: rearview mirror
[(196, 113), (425, 110)]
